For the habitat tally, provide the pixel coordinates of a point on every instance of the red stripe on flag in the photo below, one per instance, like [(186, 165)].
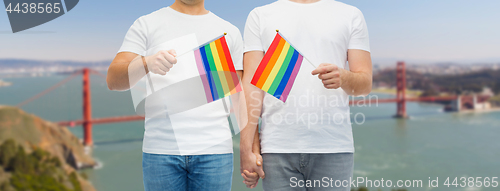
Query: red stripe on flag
[(229, 60), (266, 59), (227, 54)]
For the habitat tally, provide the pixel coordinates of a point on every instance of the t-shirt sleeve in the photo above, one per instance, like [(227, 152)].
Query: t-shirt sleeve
[(237, 50), (136, 38), (252, 33), (359, 33)]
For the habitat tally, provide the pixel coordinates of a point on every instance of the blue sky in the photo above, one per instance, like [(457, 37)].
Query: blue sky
[(423, 31)]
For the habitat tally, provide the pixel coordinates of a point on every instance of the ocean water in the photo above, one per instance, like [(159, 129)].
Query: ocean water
[(430, 144)]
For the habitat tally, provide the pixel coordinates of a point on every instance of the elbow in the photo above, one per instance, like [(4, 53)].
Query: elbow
[(111, 85), (363, 91), (367, 90)]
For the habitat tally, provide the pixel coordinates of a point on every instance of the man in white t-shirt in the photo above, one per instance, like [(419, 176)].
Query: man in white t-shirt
[(187, 150), (307, 139)]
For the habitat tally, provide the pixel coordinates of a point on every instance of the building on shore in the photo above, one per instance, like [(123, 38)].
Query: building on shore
[(472, 102)]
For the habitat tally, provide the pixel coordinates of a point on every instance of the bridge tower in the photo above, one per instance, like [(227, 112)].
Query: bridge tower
[(401, 90), (87, 109)]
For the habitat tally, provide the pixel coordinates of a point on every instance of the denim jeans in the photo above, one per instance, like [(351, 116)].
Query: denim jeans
[(187, 173), (301, 172)]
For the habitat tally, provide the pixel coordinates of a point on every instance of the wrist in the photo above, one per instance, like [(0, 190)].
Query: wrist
[(246, 150), (343, 76), (144, 64), (256, 152)]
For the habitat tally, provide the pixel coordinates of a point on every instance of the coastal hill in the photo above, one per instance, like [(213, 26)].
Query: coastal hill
[(432, 84), (31, 147)]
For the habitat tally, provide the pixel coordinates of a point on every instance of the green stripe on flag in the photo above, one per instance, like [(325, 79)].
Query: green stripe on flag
[(214, 71), (282, 71)]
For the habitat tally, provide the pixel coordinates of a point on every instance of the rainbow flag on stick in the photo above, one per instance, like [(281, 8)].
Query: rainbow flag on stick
[(216, 69), (278, 69)]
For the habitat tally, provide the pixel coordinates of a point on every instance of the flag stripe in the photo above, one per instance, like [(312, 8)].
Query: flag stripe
[(286, 76), (220, 69), (226, 72), (213, 70), (204, 76), (266, 59), (222, 58), (270, 65), (230, 64), (282, 71), (276, 68), (289, 85), (216, 69), (226, 52), (213, 87)]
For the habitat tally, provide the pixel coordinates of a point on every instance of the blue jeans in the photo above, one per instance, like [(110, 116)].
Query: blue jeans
[(293, 171), (187, 173)]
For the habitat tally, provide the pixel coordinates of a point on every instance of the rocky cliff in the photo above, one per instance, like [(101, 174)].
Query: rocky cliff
[(52, 150)]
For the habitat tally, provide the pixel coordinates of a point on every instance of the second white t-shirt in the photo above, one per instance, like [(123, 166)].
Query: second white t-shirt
[(313, 119)]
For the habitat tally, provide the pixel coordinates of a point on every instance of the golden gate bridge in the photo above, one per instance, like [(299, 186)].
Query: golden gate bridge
[(88, 121)]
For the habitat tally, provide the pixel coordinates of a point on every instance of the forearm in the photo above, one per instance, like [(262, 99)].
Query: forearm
[(254, 97), (122, 75), (254, 105), (356, 83), (256, 142)]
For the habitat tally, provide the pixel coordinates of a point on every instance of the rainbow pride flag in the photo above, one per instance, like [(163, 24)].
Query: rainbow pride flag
[(278, 69), (216, 69)]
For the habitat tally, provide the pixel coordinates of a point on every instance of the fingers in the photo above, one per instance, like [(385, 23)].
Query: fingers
[(156, 66), (172, 52), (162, 62), (325, 76), (169, 57), (251, 179), (250, 176), (329, 74), (261, 173), (252, 186), (332, 86), (318, 70), (324, 68), (332, 83), (259, 160)]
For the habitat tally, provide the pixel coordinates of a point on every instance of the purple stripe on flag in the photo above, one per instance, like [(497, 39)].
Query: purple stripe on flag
[(203, 75), (289, 85)]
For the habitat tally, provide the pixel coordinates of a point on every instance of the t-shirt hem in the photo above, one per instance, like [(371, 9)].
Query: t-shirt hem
[(132, 51), (359, 48), (306, 151), (176, 152)]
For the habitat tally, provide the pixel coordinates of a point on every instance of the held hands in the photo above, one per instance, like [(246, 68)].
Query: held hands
[(161, 62), (251, 167), (330, 74)]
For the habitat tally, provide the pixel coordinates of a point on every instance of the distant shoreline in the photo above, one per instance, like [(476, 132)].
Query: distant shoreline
[(393, 91), (490, 110), (5, 84)]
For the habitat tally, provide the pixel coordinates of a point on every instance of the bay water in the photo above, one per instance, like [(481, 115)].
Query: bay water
[(430, 144)]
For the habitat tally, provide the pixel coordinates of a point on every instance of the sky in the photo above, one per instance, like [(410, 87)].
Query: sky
[(424, 31)]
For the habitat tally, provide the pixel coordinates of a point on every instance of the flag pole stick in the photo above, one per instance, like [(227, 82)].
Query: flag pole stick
[(184, 53), (278, 31)]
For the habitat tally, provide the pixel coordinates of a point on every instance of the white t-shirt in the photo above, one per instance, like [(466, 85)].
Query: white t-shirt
[(313, 119), (204, 129)]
